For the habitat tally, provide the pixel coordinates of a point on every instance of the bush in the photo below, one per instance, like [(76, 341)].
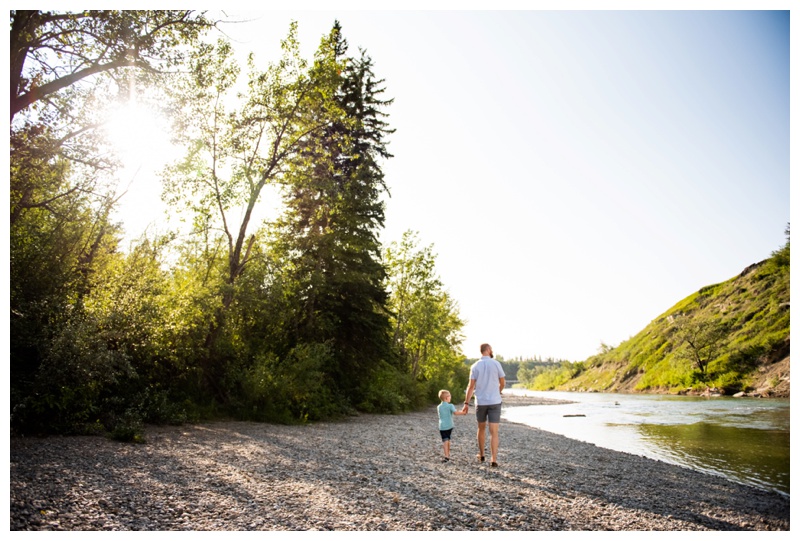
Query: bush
[(78, 372), (455, 380), (391, 391), (158, 408), (730, 382), (290, 390), (128, 428), (549, 378)]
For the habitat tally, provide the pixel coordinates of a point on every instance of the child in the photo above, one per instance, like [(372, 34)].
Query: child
[(446, 412)]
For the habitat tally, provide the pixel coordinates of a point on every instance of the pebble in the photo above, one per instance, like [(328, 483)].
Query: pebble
[(367, 473)]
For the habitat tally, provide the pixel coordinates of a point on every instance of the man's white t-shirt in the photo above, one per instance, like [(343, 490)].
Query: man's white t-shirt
[(487, 373)]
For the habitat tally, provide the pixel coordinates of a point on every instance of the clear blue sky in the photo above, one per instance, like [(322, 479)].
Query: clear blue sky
[(578, 172)]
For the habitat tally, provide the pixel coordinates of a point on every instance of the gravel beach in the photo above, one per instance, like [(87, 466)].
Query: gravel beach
[(369, 472)]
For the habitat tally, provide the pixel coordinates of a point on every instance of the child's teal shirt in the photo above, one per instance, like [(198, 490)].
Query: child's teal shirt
[(446, 411)]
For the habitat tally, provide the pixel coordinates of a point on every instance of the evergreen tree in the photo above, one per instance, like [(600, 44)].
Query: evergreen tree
[(329, 233)]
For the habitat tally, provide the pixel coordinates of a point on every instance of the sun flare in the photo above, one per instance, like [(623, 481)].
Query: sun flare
[(137, 134), (139, 138)]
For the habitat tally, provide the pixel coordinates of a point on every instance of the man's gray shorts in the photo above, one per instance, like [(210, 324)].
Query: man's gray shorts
[(492, 411)]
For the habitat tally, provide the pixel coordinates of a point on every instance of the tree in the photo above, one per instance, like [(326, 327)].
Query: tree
[(782, 256), (234, 153), (63, 65), (329, 233), (704, 339), (426, 324), (51, 51), (64, 68)]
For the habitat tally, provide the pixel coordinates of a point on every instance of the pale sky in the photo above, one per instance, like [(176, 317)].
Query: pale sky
[(577, 172)]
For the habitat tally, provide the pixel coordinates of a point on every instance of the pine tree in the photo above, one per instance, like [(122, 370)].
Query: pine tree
[(329, 233)]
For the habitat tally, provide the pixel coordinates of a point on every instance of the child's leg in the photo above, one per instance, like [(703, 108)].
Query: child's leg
[(446, 444)]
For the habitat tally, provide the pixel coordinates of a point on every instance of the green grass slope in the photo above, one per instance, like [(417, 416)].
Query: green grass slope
[(726, 338)]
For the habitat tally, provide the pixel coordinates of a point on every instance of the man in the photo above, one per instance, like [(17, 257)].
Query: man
[(487, 380)]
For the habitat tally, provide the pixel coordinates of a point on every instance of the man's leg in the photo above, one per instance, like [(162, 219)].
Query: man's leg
[(494, 433), (481, 438)]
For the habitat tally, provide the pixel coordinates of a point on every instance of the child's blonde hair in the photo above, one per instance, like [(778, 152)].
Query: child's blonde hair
[(442, 393)]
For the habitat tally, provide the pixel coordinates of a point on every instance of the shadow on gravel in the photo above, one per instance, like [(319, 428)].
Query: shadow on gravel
[(369, 473)]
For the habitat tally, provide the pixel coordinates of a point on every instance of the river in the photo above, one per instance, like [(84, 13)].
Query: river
[(743, 439)]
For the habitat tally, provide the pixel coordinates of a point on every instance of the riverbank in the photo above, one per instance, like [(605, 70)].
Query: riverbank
[(370, 472)]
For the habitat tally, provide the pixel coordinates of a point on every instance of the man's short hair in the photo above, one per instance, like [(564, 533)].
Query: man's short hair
[(485, 348)]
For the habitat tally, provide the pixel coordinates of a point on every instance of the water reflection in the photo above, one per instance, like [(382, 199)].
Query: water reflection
[(754, 456), (746, 440)]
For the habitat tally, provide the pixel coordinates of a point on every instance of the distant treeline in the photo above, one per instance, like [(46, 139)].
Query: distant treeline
[(519, 368)]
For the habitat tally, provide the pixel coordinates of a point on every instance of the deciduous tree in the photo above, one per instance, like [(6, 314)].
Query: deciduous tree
[(51, 51), (703, 339), (236, 150), (426, 325), (64, 67)]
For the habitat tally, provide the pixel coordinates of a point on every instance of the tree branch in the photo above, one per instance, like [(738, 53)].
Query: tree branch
[(22, 101)]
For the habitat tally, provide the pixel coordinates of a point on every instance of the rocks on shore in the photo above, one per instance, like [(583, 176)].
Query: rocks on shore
[(369, 472)]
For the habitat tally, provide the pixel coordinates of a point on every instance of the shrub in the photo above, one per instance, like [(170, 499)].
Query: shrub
[(292, 389), (391, 391), (79, 372), (128, 428)]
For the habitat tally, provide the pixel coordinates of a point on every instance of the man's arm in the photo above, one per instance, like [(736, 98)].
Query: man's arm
[(502, 384), (470, 390)]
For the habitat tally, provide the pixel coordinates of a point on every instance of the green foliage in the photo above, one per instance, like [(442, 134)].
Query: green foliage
[(781, 257), (77, 373), (102, 367), (75, 356), (128, 428), (677, 373), (328, 237), (291, 389), (392, 391), (525, 370), (701, 339), (426, 323), (277, 134), (545, 376), (52, 52), (293, 320)]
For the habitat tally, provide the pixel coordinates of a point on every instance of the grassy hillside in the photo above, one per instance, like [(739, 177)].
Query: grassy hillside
[(726, 338)]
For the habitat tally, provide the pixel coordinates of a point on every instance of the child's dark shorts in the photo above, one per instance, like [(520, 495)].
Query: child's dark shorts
[(445, 434)]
